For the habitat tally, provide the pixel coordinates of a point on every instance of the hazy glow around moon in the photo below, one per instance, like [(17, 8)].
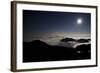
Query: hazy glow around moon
[(79, 21)]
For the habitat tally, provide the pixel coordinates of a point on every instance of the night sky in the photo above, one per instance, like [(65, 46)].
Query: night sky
[(38, 22)]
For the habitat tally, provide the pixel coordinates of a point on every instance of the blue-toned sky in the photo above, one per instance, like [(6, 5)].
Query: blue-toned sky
[(38, 22)]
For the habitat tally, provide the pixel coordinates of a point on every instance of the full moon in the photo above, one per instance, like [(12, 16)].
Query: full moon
[(79, 21)]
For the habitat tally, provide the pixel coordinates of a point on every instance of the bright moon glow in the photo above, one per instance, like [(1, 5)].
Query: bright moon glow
[(79, 21)]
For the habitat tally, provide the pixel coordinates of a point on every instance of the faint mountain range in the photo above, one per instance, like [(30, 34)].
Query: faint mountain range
[(70, 42), (75, 40)]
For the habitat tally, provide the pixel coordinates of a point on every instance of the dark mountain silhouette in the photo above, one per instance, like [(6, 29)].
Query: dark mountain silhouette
[(67, 39), (37, 51), (83, 40), (84, 47), (71, 39)]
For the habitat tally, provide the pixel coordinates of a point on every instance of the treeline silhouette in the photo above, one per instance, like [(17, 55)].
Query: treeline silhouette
[(37, 51)]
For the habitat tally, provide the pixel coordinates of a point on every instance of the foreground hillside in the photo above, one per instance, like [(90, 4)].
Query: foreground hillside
[(37, 51)]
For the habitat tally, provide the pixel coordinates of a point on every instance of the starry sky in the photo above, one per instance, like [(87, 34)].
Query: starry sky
[(38, 22)]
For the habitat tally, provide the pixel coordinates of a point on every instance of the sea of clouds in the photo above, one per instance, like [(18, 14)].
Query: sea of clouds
[(55, 39)]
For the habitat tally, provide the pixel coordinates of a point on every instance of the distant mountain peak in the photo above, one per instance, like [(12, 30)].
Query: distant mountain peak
[(67, 39)]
